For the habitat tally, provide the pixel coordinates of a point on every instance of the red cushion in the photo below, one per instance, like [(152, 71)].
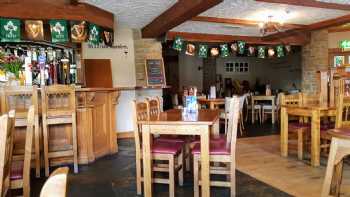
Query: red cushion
[(173, 138), (216, 148), (16, 170), (221, 138), (166, 147)]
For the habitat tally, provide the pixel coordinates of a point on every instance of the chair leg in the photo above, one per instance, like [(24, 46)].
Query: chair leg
[(195, 176), (300, 144), (172, 176), (37, 147), (260, 116), (46, 147), (138, 176), (233, 177), (330, 169), (75, 143), (180, 162), (188, 157)]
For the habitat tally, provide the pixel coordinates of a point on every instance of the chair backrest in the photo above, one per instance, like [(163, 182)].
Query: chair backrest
[(28, 146), (19, 98), (232, 124), (342, 114), (6, 146), (56, 185), (242, 100), (311, 99), (154, 106), (58, 100), (141, 112), (291, 99)]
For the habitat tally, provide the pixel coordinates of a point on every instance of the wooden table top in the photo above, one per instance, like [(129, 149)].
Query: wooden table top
[(263, 97), (211, 99), (310, 107), (175, 117)]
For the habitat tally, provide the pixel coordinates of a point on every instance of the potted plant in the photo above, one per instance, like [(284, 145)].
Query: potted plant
[(12, 66)]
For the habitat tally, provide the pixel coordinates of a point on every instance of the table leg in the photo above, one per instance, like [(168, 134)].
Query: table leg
[(205, 162), (215, 130), (273, 111), (147, 160), (284, 132), (315, 138), (253, 110)]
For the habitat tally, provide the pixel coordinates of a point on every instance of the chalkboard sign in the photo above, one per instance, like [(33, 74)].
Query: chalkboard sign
[(155, 75)]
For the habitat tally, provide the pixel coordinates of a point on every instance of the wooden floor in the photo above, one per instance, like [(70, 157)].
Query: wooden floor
[(260, 158)]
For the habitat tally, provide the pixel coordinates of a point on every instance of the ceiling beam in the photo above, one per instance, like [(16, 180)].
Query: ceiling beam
[(200, 37), (312, 27), (180, 12), (310, 3), (57, 9), (242, 22)]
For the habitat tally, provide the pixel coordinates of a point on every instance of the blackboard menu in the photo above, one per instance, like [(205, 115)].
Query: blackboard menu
[(155, 72)]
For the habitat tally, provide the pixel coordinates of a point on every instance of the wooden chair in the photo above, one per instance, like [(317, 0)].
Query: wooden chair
[(298, 129), (6, 146), (169, 151), (339, 149), (222, 151), (267, 108), (58, 108), (256, 107), (20, 170), (56, 185), (20, 98)]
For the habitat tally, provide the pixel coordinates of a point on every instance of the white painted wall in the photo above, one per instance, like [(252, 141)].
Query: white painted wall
[(335, 38), (189, 75)]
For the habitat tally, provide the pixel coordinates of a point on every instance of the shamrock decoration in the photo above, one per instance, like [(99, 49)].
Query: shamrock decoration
[(280, 51), (58, 28), (224, 50), (241, 46), (178, 43), (261, 52), (10, 27), (203, 51)]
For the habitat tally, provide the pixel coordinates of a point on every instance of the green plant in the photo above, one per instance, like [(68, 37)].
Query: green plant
[(12, 64)]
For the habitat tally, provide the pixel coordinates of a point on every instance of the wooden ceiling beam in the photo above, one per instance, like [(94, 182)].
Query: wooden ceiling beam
[(180, 12), (242, 22), (200, 37), (310, 3), (58, 9)]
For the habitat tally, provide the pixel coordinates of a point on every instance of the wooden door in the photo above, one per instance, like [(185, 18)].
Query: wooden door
[(209, 73), (98, 73)]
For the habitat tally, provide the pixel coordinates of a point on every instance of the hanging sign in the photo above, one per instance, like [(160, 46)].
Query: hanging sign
[(108, 38), (345, 44), (94, 34), (59, 31), (10, 30), (261, 52), (190, 49), (241, 47), (214, 52), (280, 51), (251, 51), (224, 50), (178, 43), (79, 31), (203, 51), (34, 29)]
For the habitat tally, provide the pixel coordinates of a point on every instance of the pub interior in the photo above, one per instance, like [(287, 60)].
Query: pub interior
[(174, 98)]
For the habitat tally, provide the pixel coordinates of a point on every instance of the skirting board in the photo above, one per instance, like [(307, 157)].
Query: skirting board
[(125, 135)]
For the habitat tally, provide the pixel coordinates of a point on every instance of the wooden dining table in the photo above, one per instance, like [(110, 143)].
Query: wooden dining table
[(315, 112), (174, 122), (213, 103)]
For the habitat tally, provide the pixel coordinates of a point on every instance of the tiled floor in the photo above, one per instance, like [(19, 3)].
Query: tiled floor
[(115, 176)]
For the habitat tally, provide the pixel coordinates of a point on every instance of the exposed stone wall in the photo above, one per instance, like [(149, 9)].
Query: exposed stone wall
[(314, 58), (143, 47)]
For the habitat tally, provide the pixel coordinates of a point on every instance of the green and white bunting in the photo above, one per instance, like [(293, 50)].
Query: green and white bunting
[(261, 52), (10, 30), (94, 34), (178, 43), (224, 50), (59, 31), (280, 51), (241, 47), (203, 51)]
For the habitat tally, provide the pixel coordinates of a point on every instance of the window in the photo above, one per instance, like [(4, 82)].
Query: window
[(237, 67)]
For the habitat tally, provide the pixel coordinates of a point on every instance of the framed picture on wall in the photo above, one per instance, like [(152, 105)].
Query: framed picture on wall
[(155, 73), (339, 60)]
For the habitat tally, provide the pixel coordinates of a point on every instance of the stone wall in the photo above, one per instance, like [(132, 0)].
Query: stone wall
[(142, 48), (314, 58)]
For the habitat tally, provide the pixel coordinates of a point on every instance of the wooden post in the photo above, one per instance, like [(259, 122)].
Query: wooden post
[(315, 138), (284, 132)]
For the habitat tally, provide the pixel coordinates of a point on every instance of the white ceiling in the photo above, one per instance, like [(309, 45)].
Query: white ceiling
[(252, 10), (133, 13), (335, 1), (139, 13)]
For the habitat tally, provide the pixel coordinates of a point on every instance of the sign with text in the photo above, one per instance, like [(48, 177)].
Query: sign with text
[(155, 75)]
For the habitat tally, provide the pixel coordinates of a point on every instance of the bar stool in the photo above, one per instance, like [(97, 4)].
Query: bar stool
[(58, 108), (20, 98), (340, 148)]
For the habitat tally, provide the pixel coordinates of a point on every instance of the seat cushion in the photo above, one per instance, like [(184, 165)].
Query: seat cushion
[(172, 138), (166, 147), (16, 170), (221, 138), (216, 148)]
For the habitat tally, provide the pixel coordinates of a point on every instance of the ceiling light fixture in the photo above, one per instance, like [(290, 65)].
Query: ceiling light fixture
[(269, 26)]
